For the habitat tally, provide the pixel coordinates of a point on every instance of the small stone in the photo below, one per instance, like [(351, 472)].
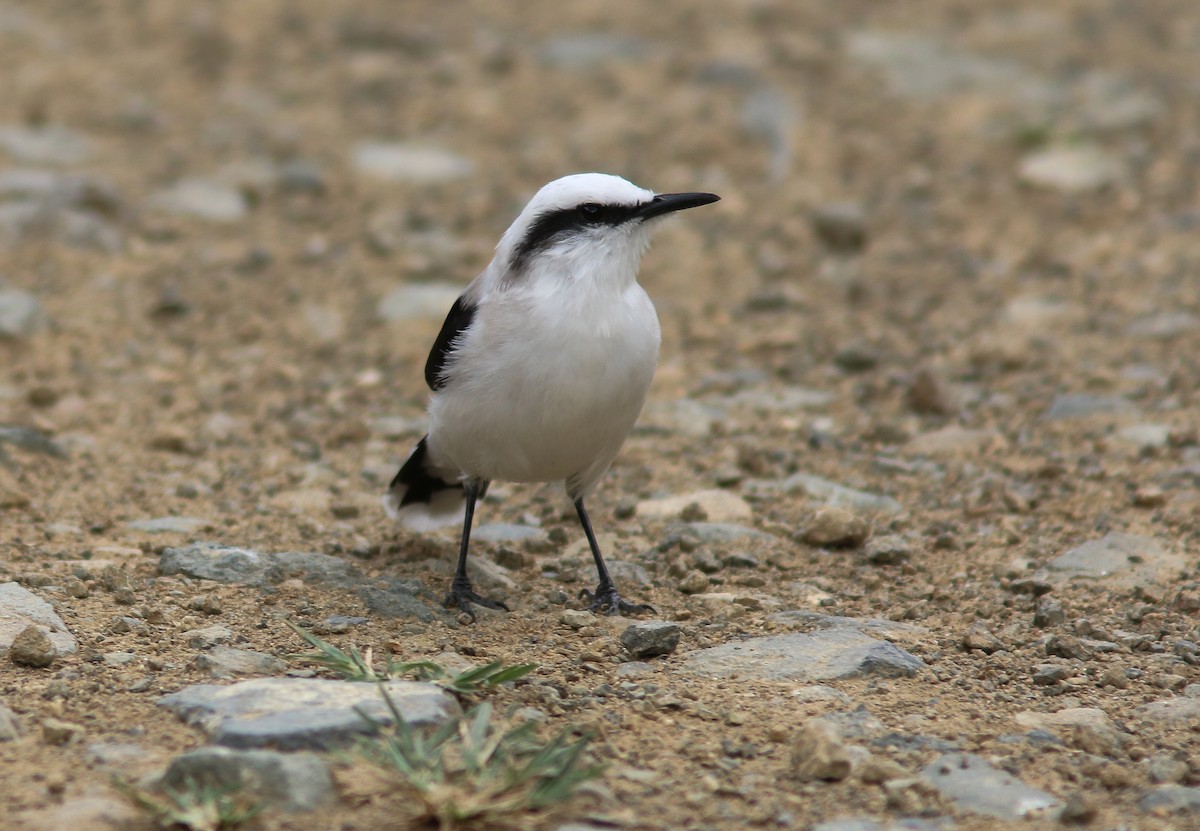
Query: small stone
[(972, 784), (292, 781), (818, 753), (1067, 646), (57, 732), (929, 394), (10, 725), (876, 771), (202, 199), (576, 618), (647, 639), (1071, 169), (1048, 612), (411, 163), (1099, 740), (856, 357), (1084, 406), (716, 506), (227, 661), (207, 637), (74, 587), (1079, 809), (1048, 675), (979, 638), (419, 301), (1149, 496), (841, 226), (1163, 769), (836, 527), (887, 550), (21, 315), (694, 582), (1114, 677), (32, 647)]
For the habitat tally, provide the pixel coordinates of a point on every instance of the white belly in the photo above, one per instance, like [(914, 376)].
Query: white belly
[(546, 391)]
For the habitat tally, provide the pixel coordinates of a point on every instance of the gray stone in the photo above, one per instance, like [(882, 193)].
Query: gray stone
[(972, 784), (412, 163), (780, 400), (842, 226), (21, 315), (887, 550), (589, 50), (1174, 711), (19, 608), (867, 824), (304, 713), (227, 661), (10, 725), (1164, 325), (645, 639), (1145, 436), (723, 533), (23, 222), (768, 114), (814, 656), (291, 781), (1171, 799), (507, 532), (244, 566), (1112, 102), (203, 199), (399, 599), (418, 301), (169, 525), (44, 145), (1084, 406), (119, 659), (835, 495), (1071, 169), (716, 505), (833, 526), (683, 417), (207, 637), (1118, 559)]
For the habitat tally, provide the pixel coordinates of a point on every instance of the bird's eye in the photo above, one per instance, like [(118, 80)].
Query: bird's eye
[(590, 210)]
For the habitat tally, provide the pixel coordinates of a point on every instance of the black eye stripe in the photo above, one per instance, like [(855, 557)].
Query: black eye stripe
[(552, 225)]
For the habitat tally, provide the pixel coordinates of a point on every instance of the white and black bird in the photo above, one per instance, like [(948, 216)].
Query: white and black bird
[(542, 365)]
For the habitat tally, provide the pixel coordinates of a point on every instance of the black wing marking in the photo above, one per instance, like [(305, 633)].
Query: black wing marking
[(460, 317)]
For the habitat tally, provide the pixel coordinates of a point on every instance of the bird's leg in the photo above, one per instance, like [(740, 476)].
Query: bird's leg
[(462, 595), (605, 598)]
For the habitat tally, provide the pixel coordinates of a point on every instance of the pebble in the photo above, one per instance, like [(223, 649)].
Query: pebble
[(1072, 169), (647, 639), (1171, 799), (1048, 612), (291, 781), (694, 582), (1164, 325), (58, 732), (929, 394), (973, 785), (590, 50), (716, 506), (169, 525), (10, 725), (303, 713), (1145, 436), (954, 441), (925, 67), (418, 301), (841, 226), (416, 164), (19, 608), (21, 315), (836, 527), (1175, 711), (887, 550), (835, 495), (979, 638), (818, 753), (227, 661), (204, 199), (814, 656), (576, 618), (49, 144), (32, 648), (1084, 406)]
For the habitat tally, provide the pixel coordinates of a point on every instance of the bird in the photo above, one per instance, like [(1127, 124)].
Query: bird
[(541, 367)]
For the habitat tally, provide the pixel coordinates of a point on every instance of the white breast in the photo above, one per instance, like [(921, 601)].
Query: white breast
[(548, 383)]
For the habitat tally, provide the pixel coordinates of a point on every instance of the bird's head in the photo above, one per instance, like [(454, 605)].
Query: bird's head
[(587, 226)]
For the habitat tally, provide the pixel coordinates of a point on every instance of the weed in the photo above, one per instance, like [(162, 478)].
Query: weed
[(196, 807)]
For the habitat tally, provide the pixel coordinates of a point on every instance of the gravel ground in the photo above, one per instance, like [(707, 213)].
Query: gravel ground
[(918, 483)]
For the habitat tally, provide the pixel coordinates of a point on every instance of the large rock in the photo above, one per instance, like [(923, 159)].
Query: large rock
[(244, 566), (304, 713), (19, 608), (972, 784), (292, 781), (813, 656), (1118, 559)]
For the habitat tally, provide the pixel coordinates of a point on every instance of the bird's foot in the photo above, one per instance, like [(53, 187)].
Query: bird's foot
[(463, 597), (607, 601)]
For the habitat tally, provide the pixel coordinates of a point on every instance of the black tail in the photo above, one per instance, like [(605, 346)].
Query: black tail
[(415, 483)]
